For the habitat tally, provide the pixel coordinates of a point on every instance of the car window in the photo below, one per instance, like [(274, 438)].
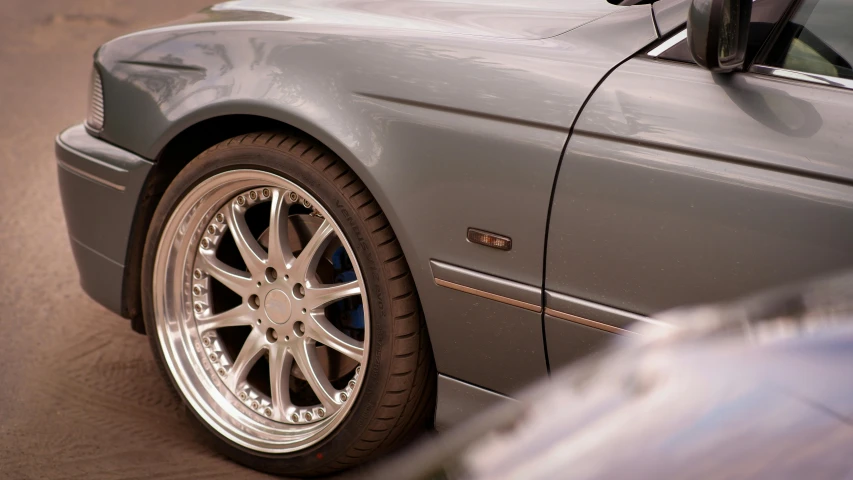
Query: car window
[(818, 40)]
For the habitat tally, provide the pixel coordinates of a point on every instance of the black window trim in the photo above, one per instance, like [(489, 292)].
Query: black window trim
[(771, 40)]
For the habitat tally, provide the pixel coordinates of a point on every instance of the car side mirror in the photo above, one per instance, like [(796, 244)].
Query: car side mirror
[(717, 33)]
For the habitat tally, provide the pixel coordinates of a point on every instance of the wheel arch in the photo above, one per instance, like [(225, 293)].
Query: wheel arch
[(188, 138)]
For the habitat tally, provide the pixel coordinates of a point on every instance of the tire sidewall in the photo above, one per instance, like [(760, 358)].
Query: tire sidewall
[(322, 455)]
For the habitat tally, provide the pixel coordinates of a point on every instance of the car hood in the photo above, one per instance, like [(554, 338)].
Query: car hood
[(507, 19)]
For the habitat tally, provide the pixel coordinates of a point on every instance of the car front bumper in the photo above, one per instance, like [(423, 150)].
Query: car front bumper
[(100, 186)]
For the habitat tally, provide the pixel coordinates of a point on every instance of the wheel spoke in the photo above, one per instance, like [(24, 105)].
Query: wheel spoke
[(251, 251), (319, 297), (240, 315), (306, 262), (279, 246), (324, 332), (281, 363), (235, 280), (306, 357), (252, 350)]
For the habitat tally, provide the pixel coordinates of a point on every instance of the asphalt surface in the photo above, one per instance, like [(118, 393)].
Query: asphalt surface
[(80, 396)]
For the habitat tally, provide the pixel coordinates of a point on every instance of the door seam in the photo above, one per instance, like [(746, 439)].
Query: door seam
[(553, 194)]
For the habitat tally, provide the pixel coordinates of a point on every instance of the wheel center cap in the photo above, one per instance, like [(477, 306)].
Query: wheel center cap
[(277, 307)]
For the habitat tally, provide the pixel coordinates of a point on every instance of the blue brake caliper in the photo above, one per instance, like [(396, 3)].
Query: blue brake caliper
[(351, 316)]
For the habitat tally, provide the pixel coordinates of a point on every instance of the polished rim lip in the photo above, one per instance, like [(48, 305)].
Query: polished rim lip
[(227, 409)]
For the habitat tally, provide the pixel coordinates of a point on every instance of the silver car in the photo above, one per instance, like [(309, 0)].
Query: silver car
[(341, 223)]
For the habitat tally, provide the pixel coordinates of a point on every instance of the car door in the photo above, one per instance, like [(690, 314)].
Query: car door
[(680, 186)]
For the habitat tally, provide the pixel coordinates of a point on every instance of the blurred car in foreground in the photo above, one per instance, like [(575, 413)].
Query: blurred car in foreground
[(757, 389)]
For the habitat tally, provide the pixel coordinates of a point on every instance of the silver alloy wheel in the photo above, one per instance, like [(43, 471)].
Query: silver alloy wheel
[(282, 302)]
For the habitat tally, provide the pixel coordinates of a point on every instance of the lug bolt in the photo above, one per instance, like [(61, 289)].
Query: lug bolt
[(211, 230), (293, 197), (213, 357), (205, 243), (299, 329), (198, 307), (197, 274), (321, 413), (253, 195), (196, 290), (272, 335), (241, 200), (242, 396), (220, 218), (254, 302), (268, 411), (270, 274), (255, 405), (266, 192), (221, 372), (295, 417), (352, 384), (343, 397), (306, 203), (205, 341), (307, 416), (358, 370)]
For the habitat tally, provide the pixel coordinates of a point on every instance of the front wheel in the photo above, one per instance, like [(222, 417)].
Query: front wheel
[(282, 310)]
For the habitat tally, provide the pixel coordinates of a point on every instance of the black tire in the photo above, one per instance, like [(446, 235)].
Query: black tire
[(398, 398)]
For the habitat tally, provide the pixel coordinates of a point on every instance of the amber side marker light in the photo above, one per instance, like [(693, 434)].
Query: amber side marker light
[(487, 239)]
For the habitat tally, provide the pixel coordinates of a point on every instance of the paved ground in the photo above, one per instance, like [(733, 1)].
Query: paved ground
[(79, 393)]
